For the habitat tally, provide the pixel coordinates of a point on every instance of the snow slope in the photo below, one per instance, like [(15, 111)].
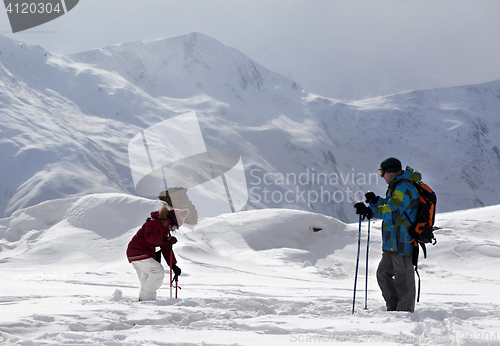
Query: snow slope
[(66, 122), (254, 277)]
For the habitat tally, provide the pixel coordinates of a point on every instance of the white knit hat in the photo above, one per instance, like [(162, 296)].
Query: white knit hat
[(180, 215)]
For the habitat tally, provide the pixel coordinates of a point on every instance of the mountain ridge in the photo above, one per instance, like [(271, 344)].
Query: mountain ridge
[(68, 120), (182, 66)]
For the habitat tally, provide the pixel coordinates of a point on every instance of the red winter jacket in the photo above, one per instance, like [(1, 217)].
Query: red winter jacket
[(150, 235)]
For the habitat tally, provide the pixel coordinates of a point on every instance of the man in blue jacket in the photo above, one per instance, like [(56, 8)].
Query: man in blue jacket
[(395, 273)]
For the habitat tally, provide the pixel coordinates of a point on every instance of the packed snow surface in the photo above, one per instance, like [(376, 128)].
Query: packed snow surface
[(260, 277)]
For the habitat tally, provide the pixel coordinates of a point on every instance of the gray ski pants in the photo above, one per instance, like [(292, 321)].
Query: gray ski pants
[(396, 279)]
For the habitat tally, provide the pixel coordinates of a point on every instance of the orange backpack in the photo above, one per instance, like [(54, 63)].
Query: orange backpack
[(422, 229)]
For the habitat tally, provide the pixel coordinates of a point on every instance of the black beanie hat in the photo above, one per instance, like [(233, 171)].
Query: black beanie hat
[(391, 165)]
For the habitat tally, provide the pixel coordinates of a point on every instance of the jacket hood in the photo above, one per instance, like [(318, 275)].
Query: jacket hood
[(410, 174), (155, 214)]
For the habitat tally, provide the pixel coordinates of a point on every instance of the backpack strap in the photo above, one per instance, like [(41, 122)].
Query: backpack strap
[(424, 249), (414, 259), (418, 292)]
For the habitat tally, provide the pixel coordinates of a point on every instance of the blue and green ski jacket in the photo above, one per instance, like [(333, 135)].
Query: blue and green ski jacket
[(401, 197)]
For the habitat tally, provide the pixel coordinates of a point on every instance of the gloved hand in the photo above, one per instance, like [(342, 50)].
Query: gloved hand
[(169, 239), (177, 271), (363, 210), (371, 198)]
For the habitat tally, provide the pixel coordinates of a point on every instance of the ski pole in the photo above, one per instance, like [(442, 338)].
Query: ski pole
[(170, 271), (366, 276), (176, 279), (357, 264)]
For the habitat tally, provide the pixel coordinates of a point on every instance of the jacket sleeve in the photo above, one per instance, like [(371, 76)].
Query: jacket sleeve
[(380, 201), (154, 233), (386, 206)]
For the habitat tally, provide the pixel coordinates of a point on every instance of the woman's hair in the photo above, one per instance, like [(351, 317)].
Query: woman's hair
[(164, 212)]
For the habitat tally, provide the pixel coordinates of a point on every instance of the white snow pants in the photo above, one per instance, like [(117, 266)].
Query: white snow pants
[(150, 274)]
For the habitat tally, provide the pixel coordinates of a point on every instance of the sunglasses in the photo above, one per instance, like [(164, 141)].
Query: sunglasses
[(381, 172)]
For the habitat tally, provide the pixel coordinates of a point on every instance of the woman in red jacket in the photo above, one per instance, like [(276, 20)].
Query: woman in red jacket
[(155, 232)]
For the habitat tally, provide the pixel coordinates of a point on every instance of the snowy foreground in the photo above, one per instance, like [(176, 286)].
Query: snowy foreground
[(262, 277)]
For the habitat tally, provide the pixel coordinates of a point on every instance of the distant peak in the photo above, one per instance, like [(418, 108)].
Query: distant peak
[(194, 37)]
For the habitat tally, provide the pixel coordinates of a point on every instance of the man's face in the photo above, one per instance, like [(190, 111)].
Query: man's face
[(387, 176)]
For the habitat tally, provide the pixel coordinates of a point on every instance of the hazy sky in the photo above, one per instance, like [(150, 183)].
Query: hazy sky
[(342, 49)]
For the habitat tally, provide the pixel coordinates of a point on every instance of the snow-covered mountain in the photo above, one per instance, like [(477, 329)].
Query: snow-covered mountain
[(66, 122)]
